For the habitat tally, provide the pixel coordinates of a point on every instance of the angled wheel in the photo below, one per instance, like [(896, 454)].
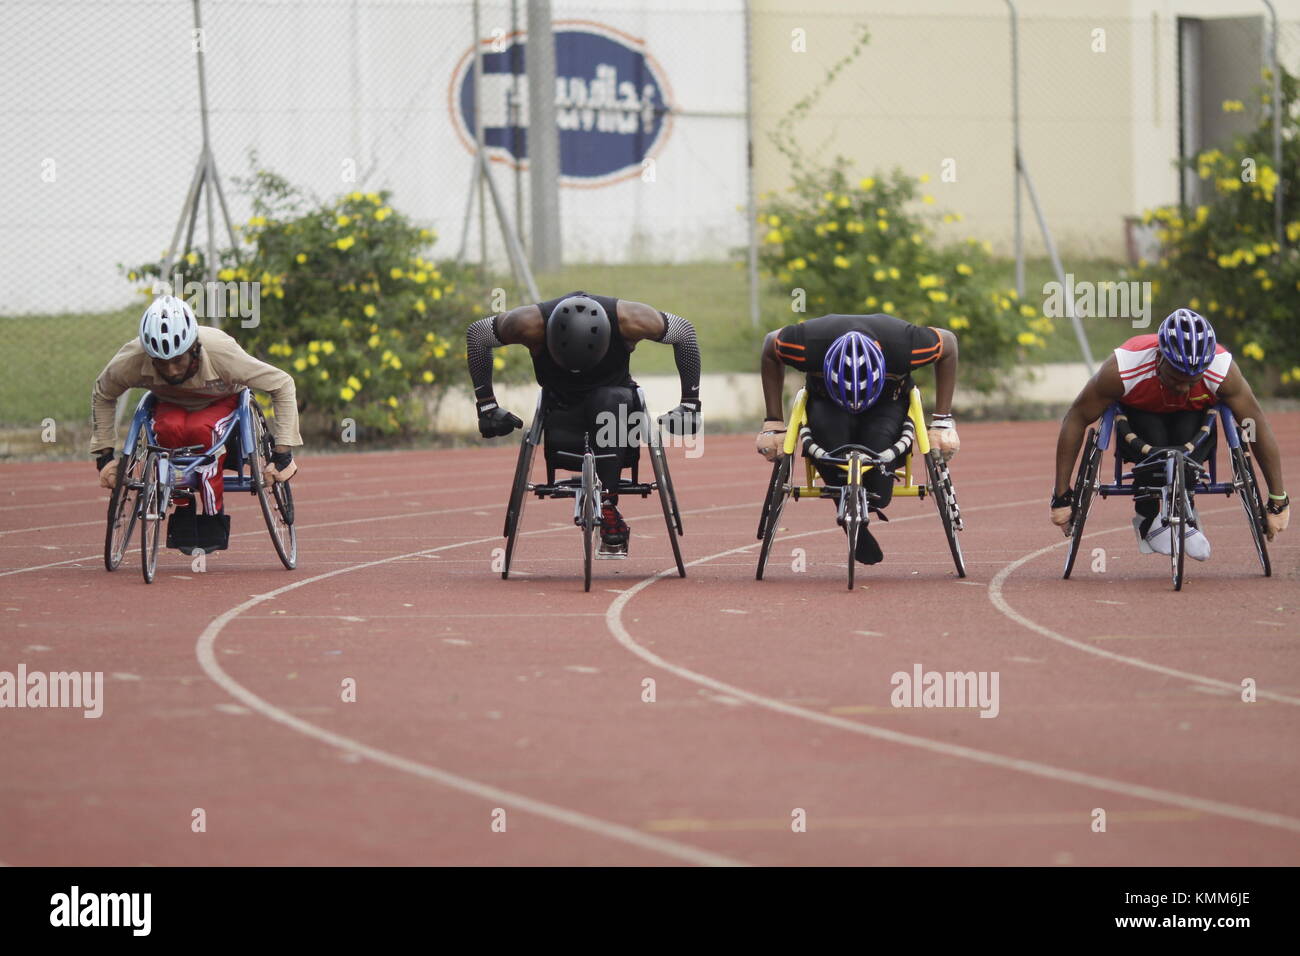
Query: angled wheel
[(1247, 487), (518, 498), (277, 499), (123, 507), (1177, 515), (153, 509), (588, 512), (946, 500), (778, 491), (1085, 486), (852, 492), (668, 501)]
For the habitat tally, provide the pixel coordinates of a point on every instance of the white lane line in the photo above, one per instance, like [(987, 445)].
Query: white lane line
[(614, 622), (1000, 602), (205, 649)]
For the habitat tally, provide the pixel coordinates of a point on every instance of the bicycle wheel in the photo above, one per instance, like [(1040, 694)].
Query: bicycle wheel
[(853, 515), (1177, 513), (946, 500), (123, 507), (518, 498), (153, 509), (276, 500), (778, 490), (1085, 486), (588, 495), (672, 520), (1247, 487)]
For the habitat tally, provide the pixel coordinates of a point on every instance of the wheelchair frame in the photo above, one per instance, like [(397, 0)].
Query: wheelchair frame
[(149, 476), (853, 502), (585, 491), (1178, 498)]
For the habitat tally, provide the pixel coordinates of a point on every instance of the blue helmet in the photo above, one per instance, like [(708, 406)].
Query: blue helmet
[(854, 370), (1187, 342)]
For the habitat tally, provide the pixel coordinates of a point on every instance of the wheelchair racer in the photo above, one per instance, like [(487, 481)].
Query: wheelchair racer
[(859, 382), (196, 372), (581, 345), (1164, 383)]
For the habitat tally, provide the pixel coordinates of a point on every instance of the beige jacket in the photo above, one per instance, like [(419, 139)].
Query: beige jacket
[(224, 368)]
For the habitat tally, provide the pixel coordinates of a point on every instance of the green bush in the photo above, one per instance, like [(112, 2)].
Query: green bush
[(369, 327), (862, 247), (1221, 258)]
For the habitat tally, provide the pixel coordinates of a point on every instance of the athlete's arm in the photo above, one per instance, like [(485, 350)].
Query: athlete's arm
[(945, 373), (521, 326), (639, 322), (1236, 393), (772, 373), (1102, 389)]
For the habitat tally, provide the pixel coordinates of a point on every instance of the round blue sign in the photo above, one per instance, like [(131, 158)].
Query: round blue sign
[(610, 102)]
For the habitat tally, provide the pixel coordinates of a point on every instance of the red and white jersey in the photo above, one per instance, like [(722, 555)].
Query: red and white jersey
[(1144, 390)]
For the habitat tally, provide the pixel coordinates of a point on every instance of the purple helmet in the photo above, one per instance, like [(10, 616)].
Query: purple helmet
[(855, 372), (1187, 341)]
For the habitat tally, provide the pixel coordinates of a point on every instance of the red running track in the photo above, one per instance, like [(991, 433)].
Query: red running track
[(482, 700)]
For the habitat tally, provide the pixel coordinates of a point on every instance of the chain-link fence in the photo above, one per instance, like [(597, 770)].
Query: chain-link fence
[(103, 134)]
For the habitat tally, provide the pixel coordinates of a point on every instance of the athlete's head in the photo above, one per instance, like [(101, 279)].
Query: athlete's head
[(854, 371), (1187, 345), (170, 336), (577, 334)]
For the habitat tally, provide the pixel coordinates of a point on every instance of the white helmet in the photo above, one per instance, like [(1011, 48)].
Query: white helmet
[(168, 327)]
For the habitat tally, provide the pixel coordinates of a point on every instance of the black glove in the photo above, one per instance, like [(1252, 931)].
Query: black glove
[(103, 459), (1063, 501), (494, 421), (682, 420), (281, 459)]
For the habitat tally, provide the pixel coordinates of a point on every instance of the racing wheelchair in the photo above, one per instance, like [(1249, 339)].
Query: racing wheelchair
[(150, 476), (853, 501), (585, 489), (1183, 479)]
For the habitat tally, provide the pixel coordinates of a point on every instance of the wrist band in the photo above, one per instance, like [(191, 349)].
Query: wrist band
[(1281, 497)]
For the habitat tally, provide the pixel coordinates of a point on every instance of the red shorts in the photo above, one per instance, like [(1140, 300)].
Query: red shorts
[(177, 427)]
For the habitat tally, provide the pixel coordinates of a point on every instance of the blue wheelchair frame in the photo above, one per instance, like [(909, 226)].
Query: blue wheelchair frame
[(1212, 486), (181, 471)]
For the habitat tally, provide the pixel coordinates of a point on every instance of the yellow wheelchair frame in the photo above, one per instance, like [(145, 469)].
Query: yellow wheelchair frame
[(939, 485)]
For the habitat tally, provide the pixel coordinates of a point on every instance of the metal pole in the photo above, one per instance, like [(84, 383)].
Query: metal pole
[(752, 204), (516, 120), (478, 137), (1015, 134), (1060, 274), (543, 140), (518, 262), (1276, 104)]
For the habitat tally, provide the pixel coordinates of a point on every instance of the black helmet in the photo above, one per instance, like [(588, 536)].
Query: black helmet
[(577, 334)]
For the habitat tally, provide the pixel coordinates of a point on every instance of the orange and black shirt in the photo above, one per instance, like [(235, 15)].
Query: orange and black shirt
[(904, 345)]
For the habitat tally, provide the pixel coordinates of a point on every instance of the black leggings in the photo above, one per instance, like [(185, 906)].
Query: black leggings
[(1162, 429), (601, 415), (877, 428)]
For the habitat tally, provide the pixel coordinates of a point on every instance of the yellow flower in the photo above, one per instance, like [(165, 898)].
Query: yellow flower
[(327, 348), (1028, 311), (1253, 350), (887, 307), (797, 264), (870, 302), (191, 258), (774, 221), (373, 198), (873, 258), (300, 365), (420, 306), (355, 196), (843, 202), (257, 221), (395, 362), (313, 346), (894, 273), (354, 382), (879, 275), (965, 270), (959, 322), (427, 376), (421, 277), (301, 258), (392, 401), (346, 243), (841, 262), (937, 295), (867, 183), (828, 196), (1228, 184), (347, 394), (428, 336), (923, 178), (1293, 231), (396, 272), (928, 199), (440, 352), (1026, 338), (1233, 106), (225, 275), (313, 359), (369, 310), (882, 225), (928, 281), (324, 374), (498, 362), (425, 234), (372, 341), (383, 213), (343, 220), (773, 236)]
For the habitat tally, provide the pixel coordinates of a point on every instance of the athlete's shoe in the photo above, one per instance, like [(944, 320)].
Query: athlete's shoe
[(1196, 544), (614, 533), (1159, 538), (1143, 547)]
